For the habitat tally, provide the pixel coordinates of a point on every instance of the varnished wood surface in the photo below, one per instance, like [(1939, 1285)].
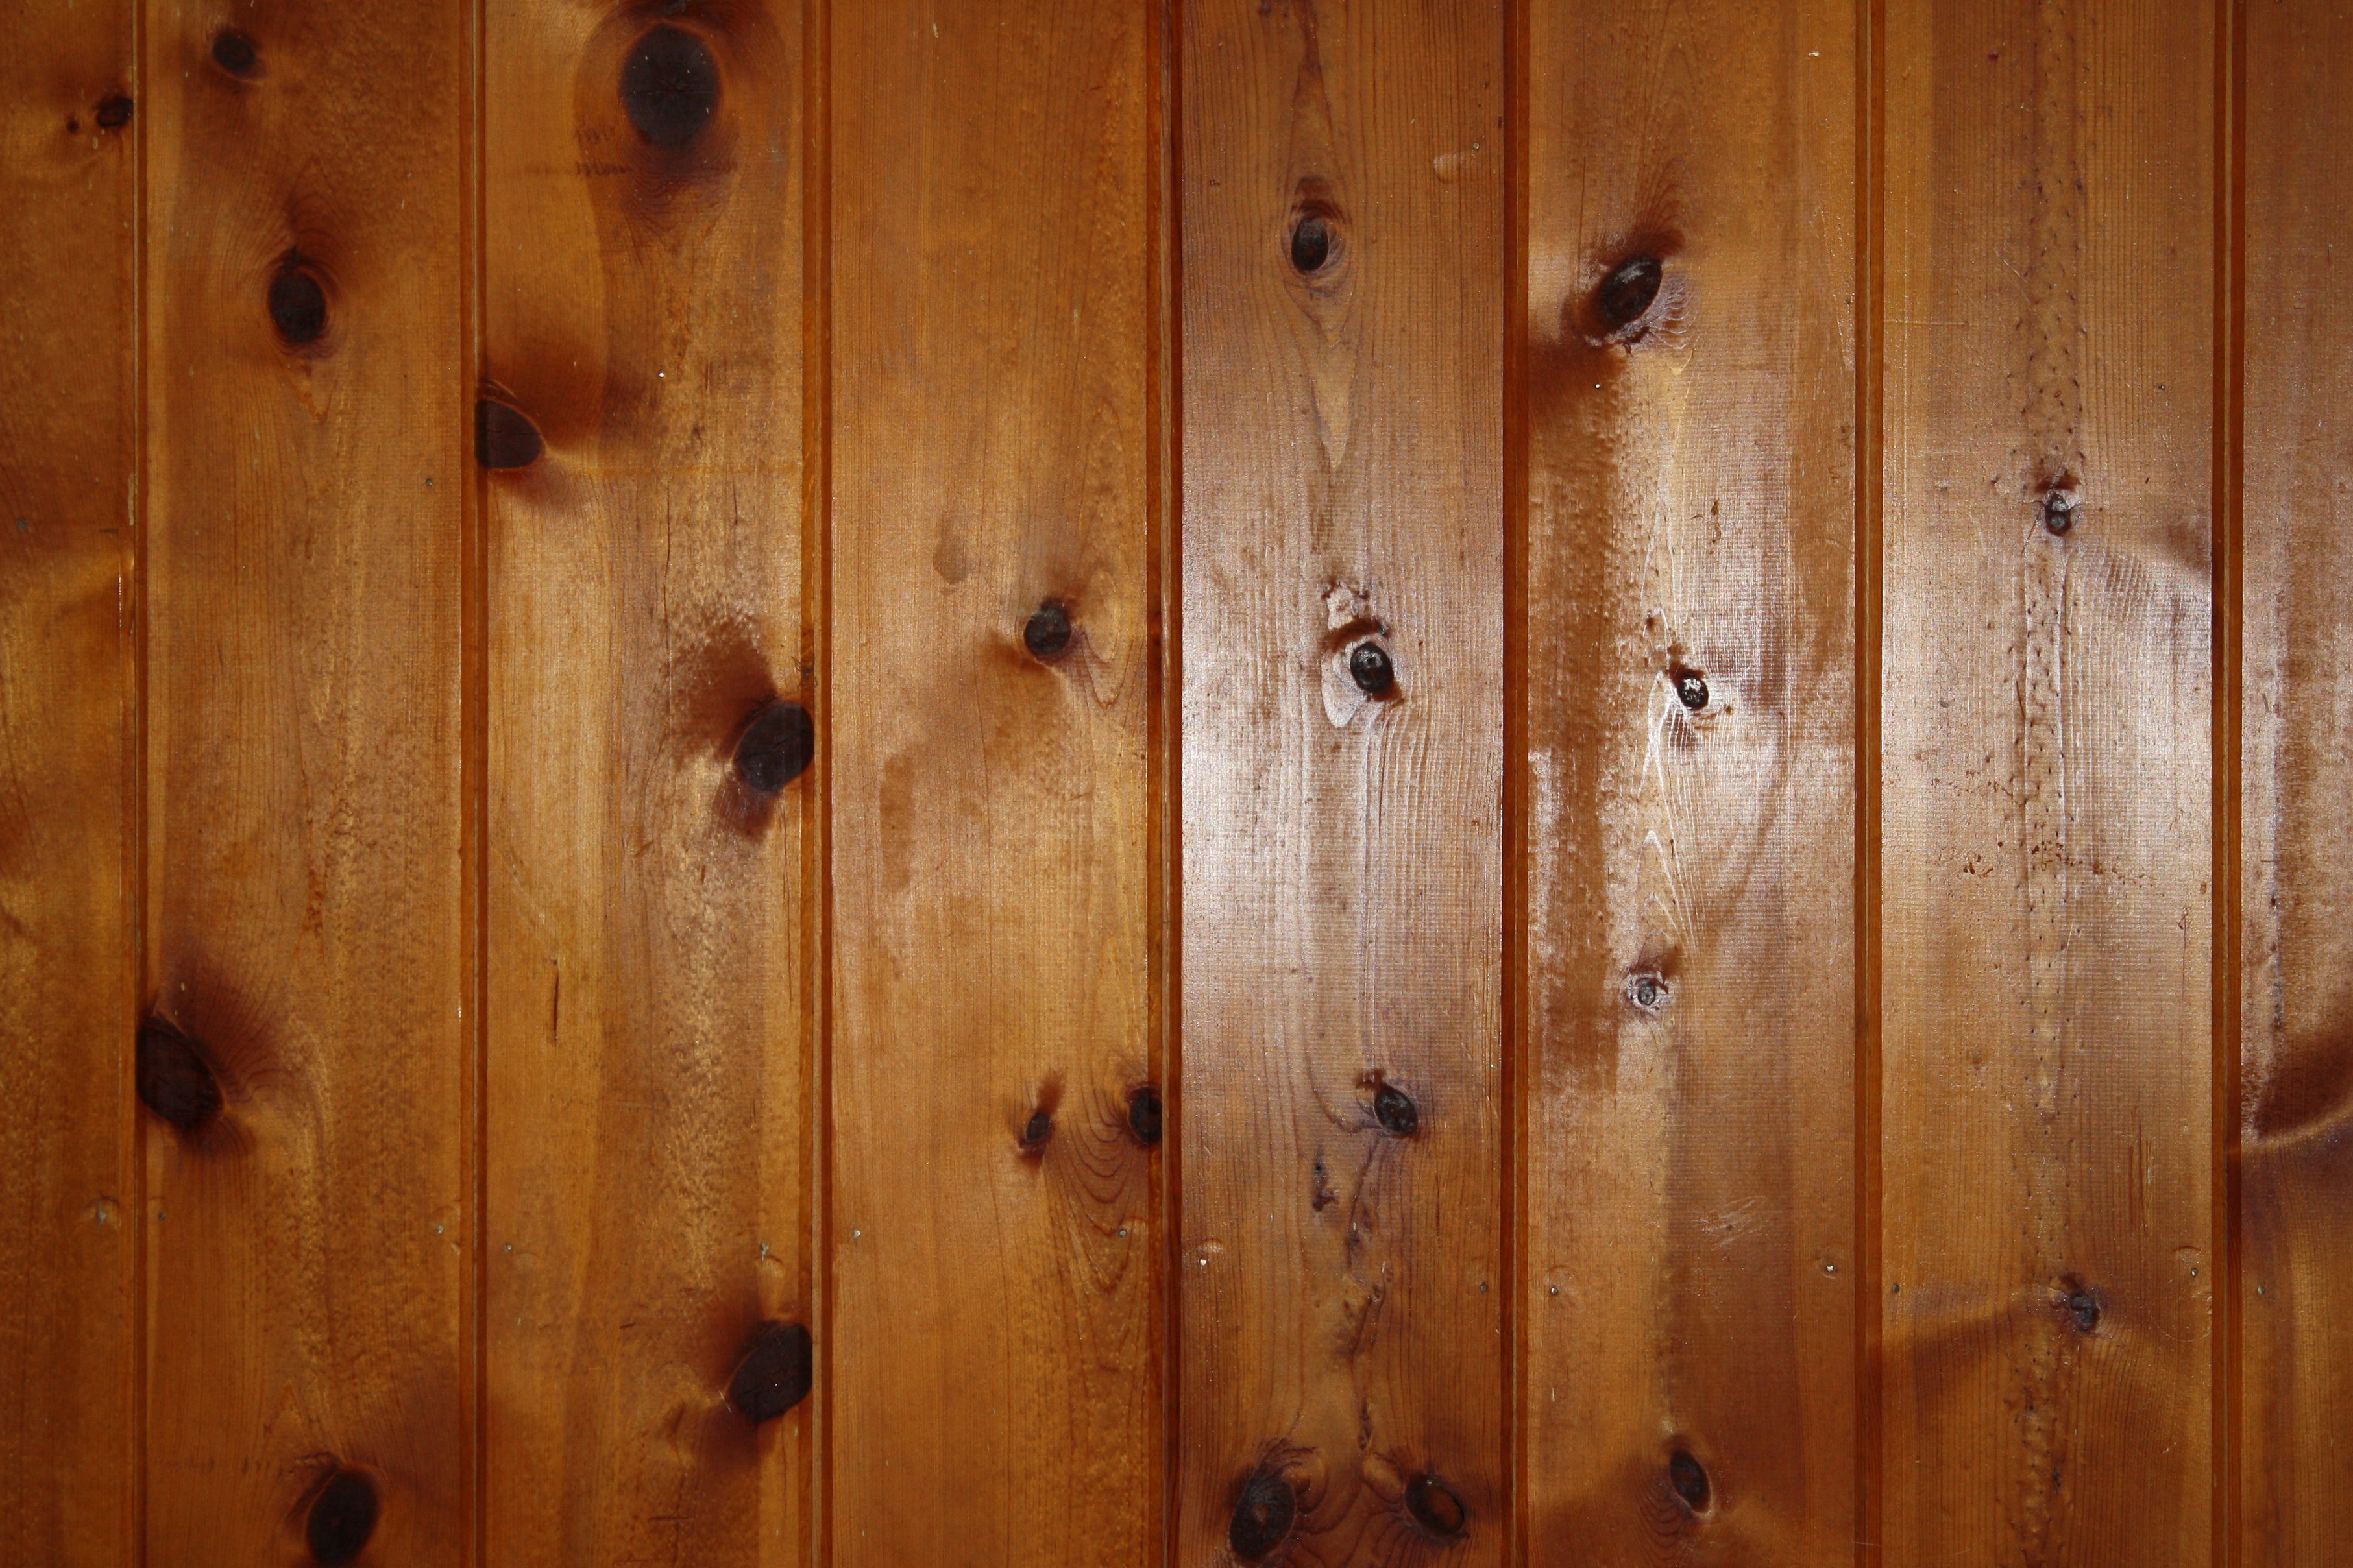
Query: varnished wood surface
[(1802, 1123), (991, 1242), (1688, 1270), (1342, 1269), (310, 1248), (2050, 1261), (2294, 1297), (68, 734), (648, 1146)]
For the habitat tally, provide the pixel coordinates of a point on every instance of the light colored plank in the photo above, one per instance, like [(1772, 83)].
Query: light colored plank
[(69, 717), (1343, 1279), (1689, 1266), (2049, 1254), (648, 1142), (2295, 1271), (309, 915), (991, 1229)]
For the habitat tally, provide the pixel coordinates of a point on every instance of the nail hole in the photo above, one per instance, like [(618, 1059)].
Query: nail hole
[(1310, 243), (113, 113), (504, 437), (1626, 294), (774, 1374), (777, 747), (1143, 1115), (342, 1518), (1689, 1477), (1691, 688), (298, 305), (1396, 1111), (1048, 632), (173, 1078), (669, 86), (1369, 667), (1646, 991), (235, 53), (1435, 1507), (1263, 1516)]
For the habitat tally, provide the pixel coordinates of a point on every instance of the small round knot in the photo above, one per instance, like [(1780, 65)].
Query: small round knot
[(504, 436), (115, 112), (773, 1373), (1689, 1477), (1037, 1131), (173, 1079), (669, 86), (1369, 667), (2059, 510), (342, 1518), (2084, 1307), (775, 748), (1047, 634), (1647, 991), (235, 53), (1624, 296), (1394, 1108), (1691, 689), (1264, 1513), (1310, 244), (1143, 1115), (1436, 1507)]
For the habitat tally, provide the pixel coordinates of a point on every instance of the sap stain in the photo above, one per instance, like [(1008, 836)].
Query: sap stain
[(1266, 1508), (773, 1373), (1435, 1508), (236, 53), (342, 1518), (298, 302), (175, 1077), (775, 747), (669, 86), (504, 436), (1143, 1115), (1047, 634)]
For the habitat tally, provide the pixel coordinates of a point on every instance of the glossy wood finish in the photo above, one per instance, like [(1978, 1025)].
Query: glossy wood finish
[(991, 1242), (2295, 1271), (1342, 1271), (2050, 1260), (648, 1146), (1688, 1267), (69, 736), (307, 851)]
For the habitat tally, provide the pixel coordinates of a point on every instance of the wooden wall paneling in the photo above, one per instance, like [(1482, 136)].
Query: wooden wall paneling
[(2050, 1261), (2296, 1273), (1688, 1271), (68, 731), (308, 1062), (991, 1235), (1342, 1268), (649, 1141)]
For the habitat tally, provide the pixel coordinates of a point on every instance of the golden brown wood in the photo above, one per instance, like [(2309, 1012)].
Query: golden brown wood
[(2295, 1271), (69, 718), (1342, 1267), (2049, 1257), (648, 1143), (1688, 1271), (307, 858), (991, 1235)]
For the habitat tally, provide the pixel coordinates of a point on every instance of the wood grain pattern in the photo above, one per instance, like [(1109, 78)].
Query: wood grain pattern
[(1688, 1268), (991, 1238), (307, 855), (2295, 1271), (1341, 1268), (648, 1146), (2050, 1264), (69, 733)]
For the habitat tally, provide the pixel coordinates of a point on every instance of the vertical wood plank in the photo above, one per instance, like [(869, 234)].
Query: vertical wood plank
[(648, 1142), (69, 716), (2049, 1262), (991, 1231), (2295, 1271), (1342, 1267), (1689, 1271), (310, 920)]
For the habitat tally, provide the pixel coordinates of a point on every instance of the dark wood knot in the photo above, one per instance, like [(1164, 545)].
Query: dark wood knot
[(1037, 1131), (175, 1079), (1310, 243), (1264, 1513), (1369, 667), (504, 436), (1691, 688), (2084, 1308), (775, 748), (114, 111), (342, 1518), (1689, 1478), (1626, 295), (1396, 1111), (773, 1373), (1143, 1115), (236, 53), (1647, 991), (1436, 1507), (1048, 633), (298, 302), (2059, 510), (669, 86)]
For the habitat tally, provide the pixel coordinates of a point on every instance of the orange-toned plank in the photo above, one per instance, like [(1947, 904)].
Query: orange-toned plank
[(1342, 1265), (991, 1232), (310, 924), (67, 733), (647, 1146), (1688, 1274), (2049, 1256), (2295, 1215)]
